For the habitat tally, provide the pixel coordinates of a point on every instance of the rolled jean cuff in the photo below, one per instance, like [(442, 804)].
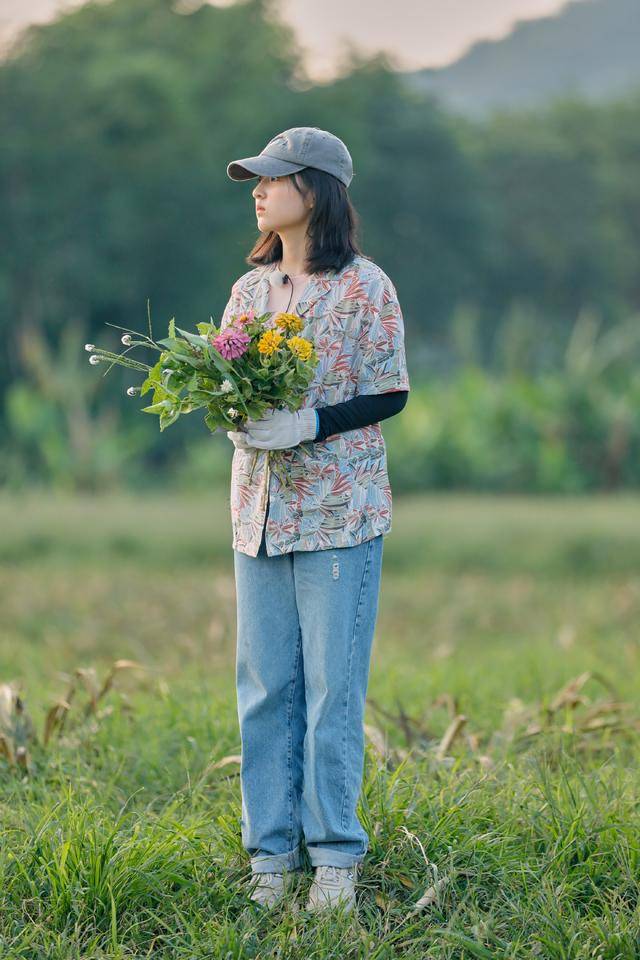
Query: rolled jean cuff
[(324, 857), (277, 862)]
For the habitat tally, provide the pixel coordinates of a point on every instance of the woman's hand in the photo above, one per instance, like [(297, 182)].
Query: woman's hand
[(279, 429), (239, 439)]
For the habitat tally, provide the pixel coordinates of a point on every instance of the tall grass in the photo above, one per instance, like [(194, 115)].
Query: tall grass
[(500, 790)]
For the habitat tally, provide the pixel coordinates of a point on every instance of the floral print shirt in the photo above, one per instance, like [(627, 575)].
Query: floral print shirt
[(338, 493)]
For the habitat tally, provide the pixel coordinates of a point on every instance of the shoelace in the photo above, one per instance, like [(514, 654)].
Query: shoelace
[(332, 874), (264, 877)]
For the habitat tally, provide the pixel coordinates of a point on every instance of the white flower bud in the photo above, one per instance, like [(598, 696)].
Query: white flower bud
[(226, 386), (232, 412), (94, 359), (89, 347), (132, 391), (126, 339)]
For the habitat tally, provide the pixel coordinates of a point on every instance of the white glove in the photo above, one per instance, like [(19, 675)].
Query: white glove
[(279, 429), (239, 439)]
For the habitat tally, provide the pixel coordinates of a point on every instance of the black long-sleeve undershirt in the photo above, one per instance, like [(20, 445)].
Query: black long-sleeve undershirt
[(360, 411)]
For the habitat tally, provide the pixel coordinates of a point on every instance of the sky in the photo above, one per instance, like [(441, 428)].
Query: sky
[(419, 33)]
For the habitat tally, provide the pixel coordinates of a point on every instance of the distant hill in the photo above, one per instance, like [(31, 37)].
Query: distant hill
[(590, 48)]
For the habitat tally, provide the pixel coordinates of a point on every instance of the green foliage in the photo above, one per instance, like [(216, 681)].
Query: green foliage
[(124, 839), (56, 432), (569, 430), (118, 120)]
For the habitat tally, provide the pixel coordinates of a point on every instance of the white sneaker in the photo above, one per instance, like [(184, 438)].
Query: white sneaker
[(267, 889), (333, 886)]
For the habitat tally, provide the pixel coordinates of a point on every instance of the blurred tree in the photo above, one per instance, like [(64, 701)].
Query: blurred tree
[(415, 188), (117, 123), (555, 236)]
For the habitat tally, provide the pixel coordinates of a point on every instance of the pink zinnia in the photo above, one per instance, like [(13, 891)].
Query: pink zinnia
[(246, 317), (231, 343)]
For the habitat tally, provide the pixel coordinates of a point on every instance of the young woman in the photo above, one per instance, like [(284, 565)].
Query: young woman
[(307, 557)]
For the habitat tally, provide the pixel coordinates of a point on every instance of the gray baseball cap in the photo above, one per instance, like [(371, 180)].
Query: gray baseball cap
[(293, 150)]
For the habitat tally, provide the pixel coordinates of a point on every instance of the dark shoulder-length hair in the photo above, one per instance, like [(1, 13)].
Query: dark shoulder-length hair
[(332, 229)]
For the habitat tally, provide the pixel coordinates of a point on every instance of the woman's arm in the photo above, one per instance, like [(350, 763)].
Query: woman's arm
[(361, 411)]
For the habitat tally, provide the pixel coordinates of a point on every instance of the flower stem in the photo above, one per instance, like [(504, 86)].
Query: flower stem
[(123, 361), (255, 460)]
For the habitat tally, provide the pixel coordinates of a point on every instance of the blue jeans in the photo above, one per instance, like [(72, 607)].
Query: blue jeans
[(306, 621)]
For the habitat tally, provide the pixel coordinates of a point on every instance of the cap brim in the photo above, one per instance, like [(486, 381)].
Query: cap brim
[(261, 166)]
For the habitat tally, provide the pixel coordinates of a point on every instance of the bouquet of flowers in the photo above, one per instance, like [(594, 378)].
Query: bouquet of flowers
[(256, 363)]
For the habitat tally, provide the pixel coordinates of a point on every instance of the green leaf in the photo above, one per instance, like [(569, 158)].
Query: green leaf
[(224, 366), (176, 346), (214, 422), (157, 407), (193, 338), (167, 419), (154, 375)]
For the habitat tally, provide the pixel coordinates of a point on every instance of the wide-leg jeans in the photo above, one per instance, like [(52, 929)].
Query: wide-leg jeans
[(305, 624)]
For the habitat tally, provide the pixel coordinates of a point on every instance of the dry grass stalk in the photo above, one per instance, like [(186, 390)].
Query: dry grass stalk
[(521, 721), (412, 729), (232, 758), (377, 740), (450, 735), (606, 715), (431, 894), (16, 727), (568, 696)]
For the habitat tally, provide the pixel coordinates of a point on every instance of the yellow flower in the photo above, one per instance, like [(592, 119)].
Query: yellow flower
[(300, 347), (269, 341), (290, 321)]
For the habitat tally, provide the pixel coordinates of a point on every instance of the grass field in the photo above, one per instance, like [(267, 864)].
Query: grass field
[(503, 723)]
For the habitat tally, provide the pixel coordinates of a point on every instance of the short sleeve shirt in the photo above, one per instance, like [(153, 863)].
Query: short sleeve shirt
[(338, 493)]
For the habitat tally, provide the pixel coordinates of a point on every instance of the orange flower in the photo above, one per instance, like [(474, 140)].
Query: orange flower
[(269, 341), (290, 321), (300, 347)]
